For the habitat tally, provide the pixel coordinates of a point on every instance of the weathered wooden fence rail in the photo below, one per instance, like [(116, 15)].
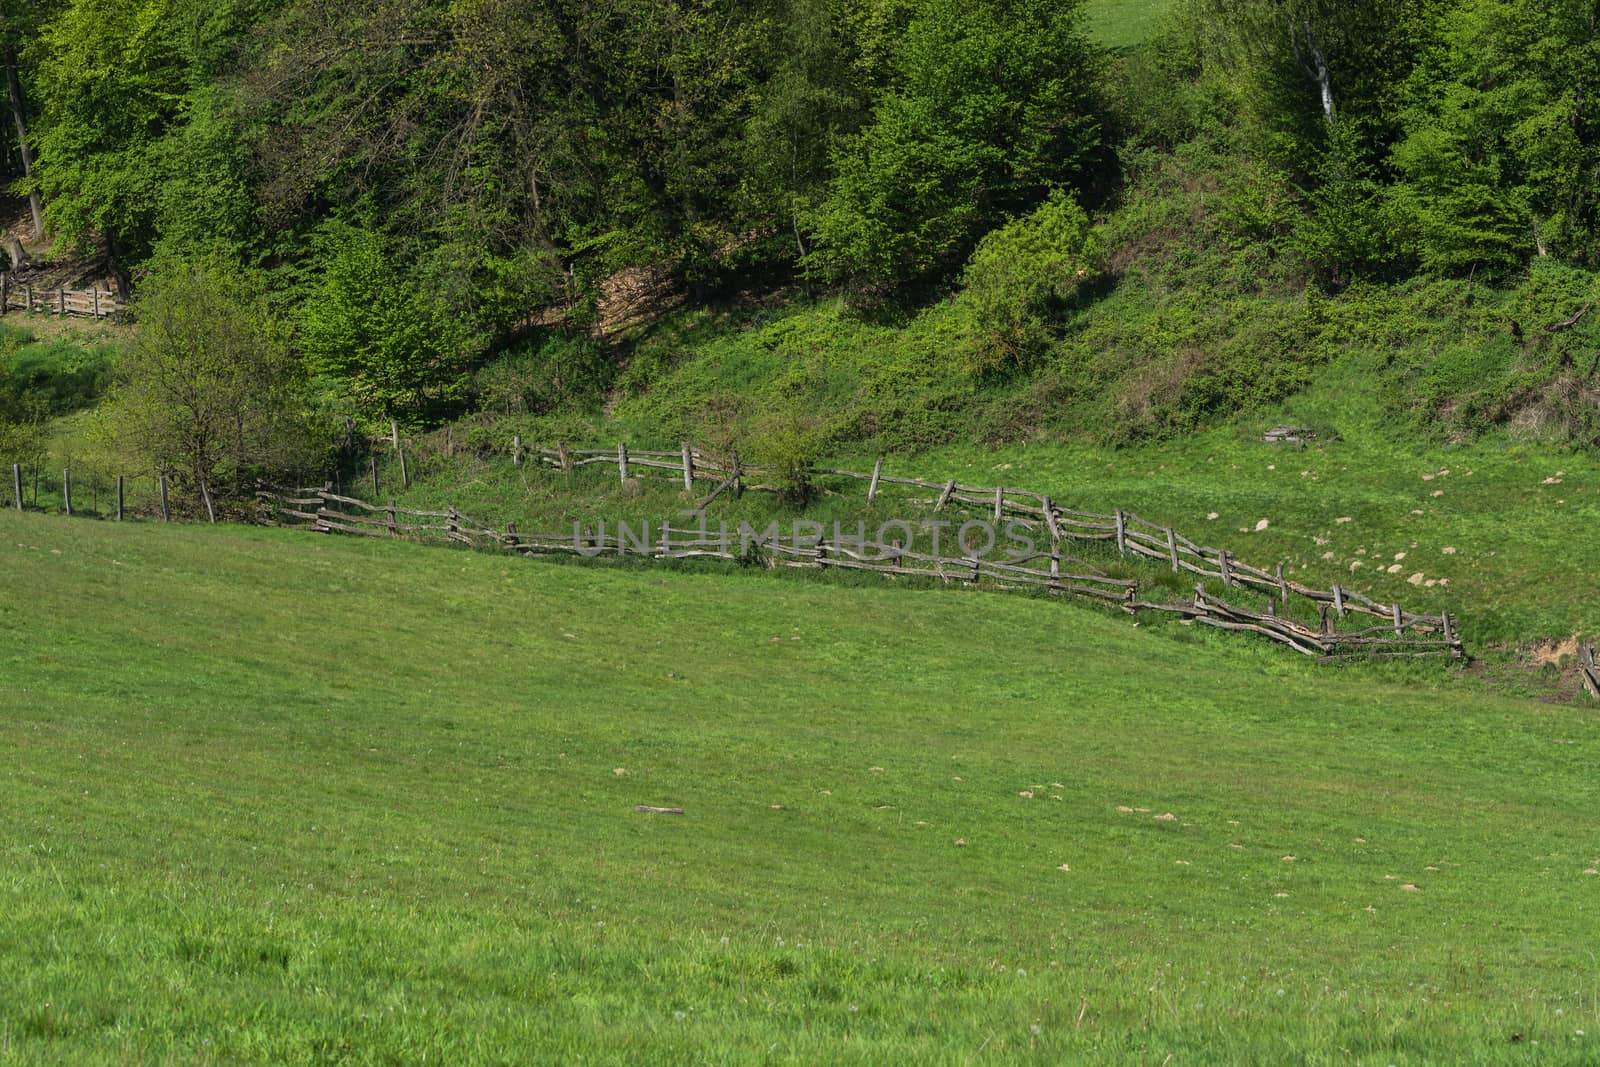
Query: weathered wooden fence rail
[(1589, 670), (95, 303), (1131, 534), (1054, 572)]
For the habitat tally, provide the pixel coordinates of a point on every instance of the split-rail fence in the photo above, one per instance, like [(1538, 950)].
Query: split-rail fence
[(1392, 631), (93, 303), (1589, 670)]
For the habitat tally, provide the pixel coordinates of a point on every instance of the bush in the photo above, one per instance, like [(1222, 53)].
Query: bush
[(549, 371), (1019, 279), (207, 387), (791, 442), (397, 351), (67, 378)]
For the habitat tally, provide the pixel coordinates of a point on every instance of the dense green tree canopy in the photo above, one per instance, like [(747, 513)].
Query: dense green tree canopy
[(420, 180)]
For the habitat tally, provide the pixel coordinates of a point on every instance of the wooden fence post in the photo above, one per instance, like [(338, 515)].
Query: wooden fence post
[(405, 472), (61, 302), (999, 503), (394, 528), (1172, 547), (516, 450), (372, 462), (166, 505), (394, 434), (16, 483), (1222, 564), (872, 486), (1122, 533), (453, 522), (944, 497), (1397, 624), (96, 293), (119, 498), (205, 495), (622, 461), (564, 456), (66, 488), (688, 468), (733, 475), (1338, 599), (1050, 521)]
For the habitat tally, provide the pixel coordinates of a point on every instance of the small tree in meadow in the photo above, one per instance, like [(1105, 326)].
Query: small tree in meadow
[(207, 389)]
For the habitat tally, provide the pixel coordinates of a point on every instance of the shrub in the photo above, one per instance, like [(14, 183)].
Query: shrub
[(790, 441), (1020, 277), (65, 376), (207, 387), (368, 326), (549, 371)]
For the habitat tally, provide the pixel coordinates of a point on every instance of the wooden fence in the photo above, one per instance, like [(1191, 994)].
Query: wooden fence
[(1126, 531), (1588, 670), (1054, 572), (94, 492), (95, 303)]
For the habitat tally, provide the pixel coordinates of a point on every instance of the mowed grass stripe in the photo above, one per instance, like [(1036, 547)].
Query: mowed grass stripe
[(274, 797)]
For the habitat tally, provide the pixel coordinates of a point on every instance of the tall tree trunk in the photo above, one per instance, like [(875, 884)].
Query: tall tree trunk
[(1315, 65), (14, 87)]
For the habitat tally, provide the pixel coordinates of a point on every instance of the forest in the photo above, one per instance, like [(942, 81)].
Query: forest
[(413, 209)]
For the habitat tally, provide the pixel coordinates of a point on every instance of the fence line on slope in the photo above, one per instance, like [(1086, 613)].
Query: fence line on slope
[(1131, 534), (88, 490), (325, 511)]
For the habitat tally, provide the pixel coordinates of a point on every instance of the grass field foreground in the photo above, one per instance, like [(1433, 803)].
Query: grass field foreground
[(276, 798)]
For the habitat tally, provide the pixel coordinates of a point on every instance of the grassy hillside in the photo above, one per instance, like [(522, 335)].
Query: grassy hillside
[(1124, 23), (276, 798)]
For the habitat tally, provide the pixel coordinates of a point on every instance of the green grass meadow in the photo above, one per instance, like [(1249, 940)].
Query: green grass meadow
[(274, 798), (1125, 23)]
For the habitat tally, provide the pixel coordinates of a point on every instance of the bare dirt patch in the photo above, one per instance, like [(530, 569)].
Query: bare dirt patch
[(1551, 653)]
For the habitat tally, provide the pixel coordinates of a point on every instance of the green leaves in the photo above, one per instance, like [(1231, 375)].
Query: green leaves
[(988, 108), (389, 341), (207, 387), (1500, 152), (1020, 276)]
